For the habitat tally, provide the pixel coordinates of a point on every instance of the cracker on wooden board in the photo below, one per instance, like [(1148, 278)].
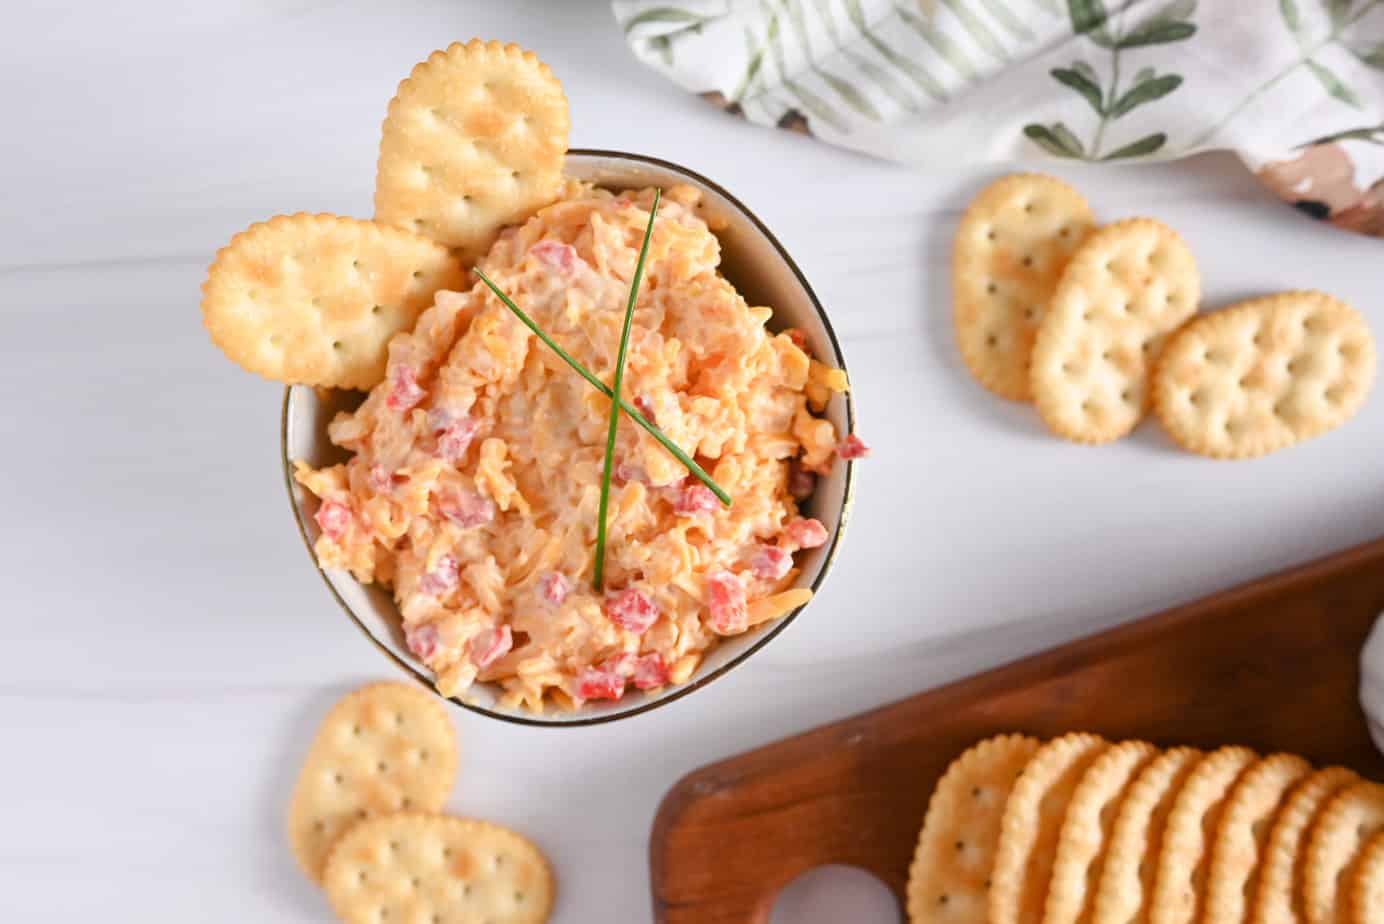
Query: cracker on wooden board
[(1184, 856), (314, 299), (386, 747), (951, 867), (1032, 822), (1246, 820), (1264, 374), (474, 140), (412, 867), (1127, 287), (1124, 894), (1344, 826), (1086, 831), (1011, 246), (1366, 896), (1278, 896)]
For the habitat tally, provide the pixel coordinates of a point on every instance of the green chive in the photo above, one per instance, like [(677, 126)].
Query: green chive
[(697, 471), (598, 579)]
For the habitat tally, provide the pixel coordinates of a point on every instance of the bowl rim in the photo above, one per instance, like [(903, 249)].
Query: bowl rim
[(696, 682)]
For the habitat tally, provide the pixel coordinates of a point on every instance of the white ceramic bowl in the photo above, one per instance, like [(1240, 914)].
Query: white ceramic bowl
[(756, 263)]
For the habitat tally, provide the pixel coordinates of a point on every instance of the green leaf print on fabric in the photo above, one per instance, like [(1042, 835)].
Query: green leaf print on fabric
[(1082, 84), (1374, 57), (1145, 91), (664, 14), (916, 72), (1170, 23), (1333, 84), (1141, 148), (1341, 19), (1056, 139)]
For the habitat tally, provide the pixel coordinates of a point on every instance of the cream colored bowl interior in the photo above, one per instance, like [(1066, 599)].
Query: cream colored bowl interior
[(758, 266)]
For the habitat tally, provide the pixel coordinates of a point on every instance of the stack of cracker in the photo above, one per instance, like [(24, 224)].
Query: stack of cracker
[(1079, 829), (475, 140), (1096, 325), (365, 822)]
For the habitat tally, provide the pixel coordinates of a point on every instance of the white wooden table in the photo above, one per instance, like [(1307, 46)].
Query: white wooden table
[(166, 649)]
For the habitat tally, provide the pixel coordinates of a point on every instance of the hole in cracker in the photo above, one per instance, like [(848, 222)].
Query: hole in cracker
[(990, 235), (382, 767), (405, 803), (514, 174), (360, 877), (518, 898), (1126, 396), (319, 826), (251, 293), (336, 344), (375, 309), (416, 882), (393, 846), (466, 890), (1028, 207), (338, 778), (1027, 261), (417, 274), (992, 340), (960, 845), (943, 898), (992, 288), (975, 793), (1064, 231), (355, 730), (1029, 314)]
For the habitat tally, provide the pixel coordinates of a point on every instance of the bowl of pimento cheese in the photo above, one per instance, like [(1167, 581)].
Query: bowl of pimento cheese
[(452, 509)]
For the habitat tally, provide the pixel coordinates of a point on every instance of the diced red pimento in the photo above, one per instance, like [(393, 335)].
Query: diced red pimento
[(726, 598), (852, 447), (554, 586), (423, 640), (631, 609), (694, 498), (643, 405), (556, 255), (335, 518), (442, 579), (600, 683), (650, 672), (454, 434), (771, 563), (625, 472), (491, 645), (803, 533), (406, 392), (798, 336), (467, 509), (801, 482)]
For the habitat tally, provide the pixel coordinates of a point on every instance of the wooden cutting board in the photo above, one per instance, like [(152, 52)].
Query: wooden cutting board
[(1272, 664)]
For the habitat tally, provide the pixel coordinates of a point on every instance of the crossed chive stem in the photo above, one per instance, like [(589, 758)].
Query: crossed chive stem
[(618, 402)]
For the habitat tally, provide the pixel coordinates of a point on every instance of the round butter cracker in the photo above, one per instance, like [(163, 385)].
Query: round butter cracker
[(1278, 897), (1124, 290), (1179, 891), (1031, 825), (1125, 892), (314, 299), (1086, 831), (474, 140), (1264, 374), (1240, 842), (1348, 822), (411, 867), (950, 875), (1011, 246), (387, 747)]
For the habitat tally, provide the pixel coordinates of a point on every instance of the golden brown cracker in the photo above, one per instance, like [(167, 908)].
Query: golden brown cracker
[(314, 299), (387, 747), (1124, 290), (1278, 896), (1124, 894), (1346, 824), (414, 868), (1367, 887), (1086, 831), (474, 140), (1264, 374), (950, 875), (1013, 242), (1032, 821), (1246, 820), (1179, 890)]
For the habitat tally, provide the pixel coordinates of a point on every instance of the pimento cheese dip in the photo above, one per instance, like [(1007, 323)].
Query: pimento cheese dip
[(475, 477)]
